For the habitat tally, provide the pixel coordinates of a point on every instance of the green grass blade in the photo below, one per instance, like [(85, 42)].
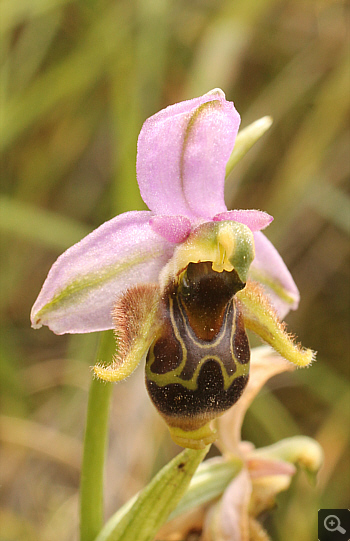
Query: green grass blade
[(40, 226)]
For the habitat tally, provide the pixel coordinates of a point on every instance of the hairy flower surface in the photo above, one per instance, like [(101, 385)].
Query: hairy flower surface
[(182, 281)]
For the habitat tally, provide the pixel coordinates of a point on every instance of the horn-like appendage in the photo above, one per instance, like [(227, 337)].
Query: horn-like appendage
[(198, 365)]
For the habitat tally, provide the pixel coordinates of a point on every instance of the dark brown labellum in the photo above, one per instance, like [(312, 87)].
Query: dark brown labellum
[(198, 365)]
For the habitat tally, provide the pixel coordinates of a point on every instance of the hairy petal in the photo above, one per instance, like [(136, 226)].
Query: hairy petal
[(83, 285), (254, 219), (269, 269), (135, 321), (260, 317), (182, 155)]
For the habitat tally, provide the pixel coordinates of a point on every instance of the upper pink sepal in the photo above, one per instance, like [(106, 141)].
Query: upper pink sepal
[(182, 155), (173, 228), (254, 219)]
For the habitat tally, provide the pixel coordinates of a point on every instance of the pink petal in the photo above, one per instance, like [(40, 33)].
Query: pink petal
[(182, 154), (269, 269), (233, 519), (84, 283), (172, 228), (264, 467), (254, 219)]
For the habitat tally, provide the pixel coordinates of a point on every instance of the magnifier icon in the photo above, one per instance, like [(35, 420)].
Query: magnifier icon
[(332, 524)]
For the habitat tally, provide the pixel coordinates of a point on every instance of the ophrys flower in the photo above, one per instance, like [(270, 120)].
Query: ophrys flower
[(177, 281)]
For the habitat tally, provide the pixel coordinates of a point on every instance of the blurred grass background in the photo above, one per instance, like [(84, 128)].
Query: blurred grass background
[(78, 78)]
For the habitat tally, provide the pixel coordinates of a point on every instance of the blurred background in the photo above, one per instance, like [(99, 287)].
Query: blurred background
[(78, 79)]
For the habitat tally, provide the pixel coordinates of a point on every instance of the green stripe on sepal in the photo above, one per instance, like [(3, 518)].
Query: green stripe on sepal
[(154, 504), (77, 290)]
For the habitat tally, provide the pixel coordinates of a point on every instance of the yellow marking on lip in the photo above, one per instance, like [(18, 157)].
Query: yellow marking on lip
[(174, 375)]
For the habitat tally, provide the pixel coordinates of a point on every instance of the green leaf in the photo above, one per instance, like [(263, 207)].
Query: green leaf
[(40, 226), (15, 13), (208, 483), (152, 507), (246, 139), (67, 79)]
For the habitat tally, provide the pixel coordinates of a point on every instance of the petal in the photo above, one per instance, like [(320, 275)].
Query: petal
[(182, 155), (260, 317), (269, 269), (136, 320), (265, 490), (263, 467), (300, 450), (232, 522), (83, 285), (254, 219), (172, 228)]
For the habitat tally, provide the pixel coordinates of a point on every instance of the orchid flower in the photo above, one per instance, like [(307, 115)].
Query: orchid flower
[(181, 282)]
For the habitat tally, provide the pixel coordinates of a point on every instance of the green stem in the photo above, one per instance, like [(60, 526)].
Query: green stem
[(95, 442)]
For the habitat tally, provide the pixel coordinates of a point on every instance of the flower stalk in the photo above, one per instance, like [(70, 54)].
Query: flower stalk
[(95, 443)]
